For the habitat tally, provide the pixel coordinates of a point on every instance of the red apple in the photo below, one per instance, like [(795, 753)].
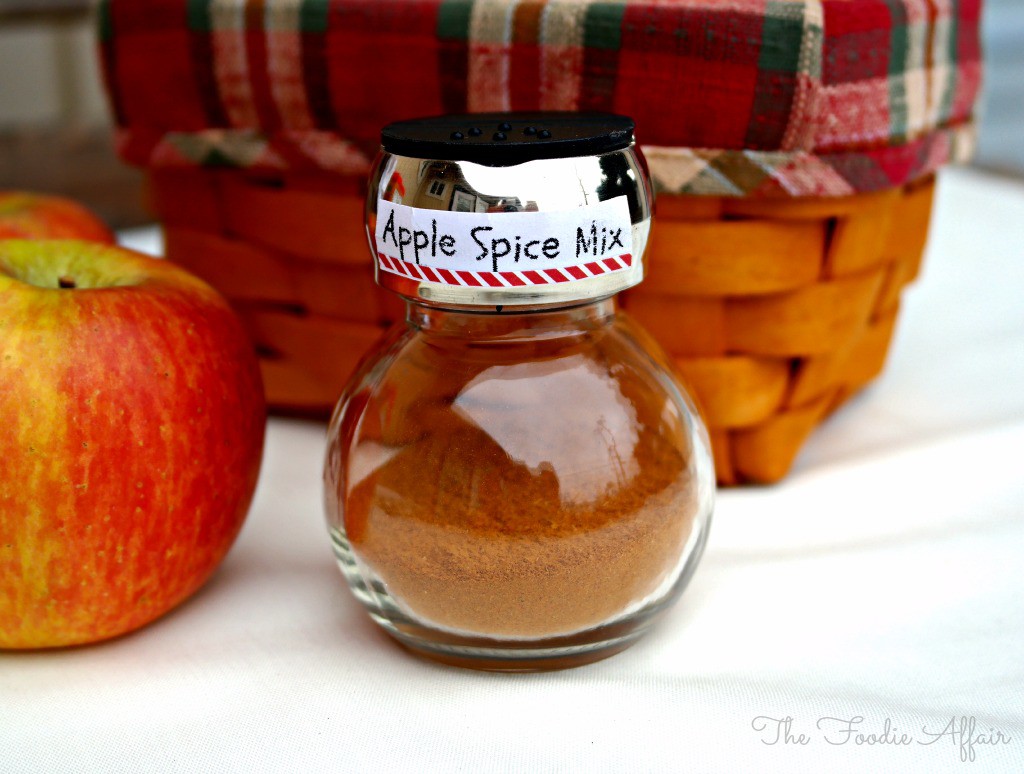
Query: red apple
[(35, 216), (131, 433)]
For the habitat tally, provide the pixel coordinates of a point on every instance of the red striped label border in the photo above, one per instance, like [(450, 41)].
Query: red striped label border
[(505, 279)]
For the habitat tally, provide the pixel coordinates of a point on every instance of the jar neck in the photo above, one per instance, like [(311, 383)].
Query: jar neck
[(512, 323)]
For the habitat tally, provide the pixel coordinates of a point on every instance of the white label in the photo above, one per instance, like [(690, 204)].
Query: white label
[(442, 246)]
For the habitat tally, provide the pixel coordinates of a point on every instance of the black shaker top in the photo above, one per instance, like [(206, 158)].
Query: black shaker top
[(502, 139)]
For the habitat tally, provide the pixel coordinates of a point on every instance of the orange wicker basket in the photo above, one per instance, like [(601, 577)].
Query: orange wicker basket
[(775, 311)]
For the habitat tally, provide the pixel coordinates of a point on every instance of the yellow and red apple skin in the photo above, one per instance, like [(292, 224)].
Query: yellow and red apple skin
[(25, 215), (131, 434)]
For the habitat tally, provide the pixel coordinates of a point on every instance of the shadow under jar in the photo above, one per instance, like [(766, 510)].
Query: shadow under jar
[(514, 478)]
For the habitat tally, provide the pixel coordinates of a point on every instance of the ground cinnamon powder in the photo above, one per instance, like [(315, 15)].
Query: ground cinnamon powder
[(469, 538)]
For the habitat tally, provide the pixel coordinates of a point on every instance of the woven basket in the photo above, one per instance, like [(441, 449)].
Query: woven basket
[(775, 311), (291, 256)]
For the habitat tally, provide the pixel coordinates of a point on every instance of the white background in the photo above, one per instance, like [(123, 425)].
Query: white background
[(883, 579)]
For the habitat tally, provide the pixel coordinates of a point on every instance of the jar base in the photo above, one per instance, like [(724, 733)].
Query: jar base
[(506, 654), (531, 656)]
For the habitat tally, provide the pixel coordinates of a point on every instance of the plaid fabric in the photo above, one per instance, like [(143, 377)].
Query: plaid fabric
[(745, 97)]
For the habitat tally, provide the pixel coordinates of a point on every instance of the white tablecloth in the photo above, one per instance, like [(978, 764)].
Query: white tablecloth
[(882, 580)]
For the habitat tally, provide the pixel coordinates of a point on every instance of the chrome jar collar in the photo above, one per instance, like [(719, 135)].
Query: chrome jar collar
[(509, 209)]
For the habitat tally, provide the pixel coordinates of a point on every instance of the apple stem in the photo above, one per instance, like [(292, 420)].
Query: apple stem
[(66, 282)]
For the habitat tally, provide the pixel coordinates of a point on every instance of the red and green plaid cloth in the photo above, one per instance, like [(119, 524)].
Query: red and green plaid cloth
[(730, 97)]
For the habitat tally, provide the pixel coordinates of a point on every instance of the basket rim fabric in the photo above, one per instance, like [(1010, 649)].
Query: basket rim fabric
[(772, 98), (691, 171)]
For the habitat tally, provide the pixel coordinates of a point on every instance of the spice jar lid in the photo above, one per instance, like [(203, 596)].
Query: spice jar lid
[(500, 139), (509, 209)]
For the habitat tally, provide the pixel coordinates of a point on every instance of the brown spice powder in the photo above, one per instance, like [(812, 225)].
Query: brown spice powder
[(469, 539)]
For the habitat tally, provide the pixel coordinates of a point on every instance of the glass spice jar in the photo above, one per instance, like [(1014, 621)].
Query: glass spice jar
[(514, 478)]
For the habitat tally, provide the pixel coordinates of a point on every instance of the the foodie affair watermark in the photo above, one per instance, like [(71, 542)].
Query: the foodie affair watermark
[(962, 733)]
